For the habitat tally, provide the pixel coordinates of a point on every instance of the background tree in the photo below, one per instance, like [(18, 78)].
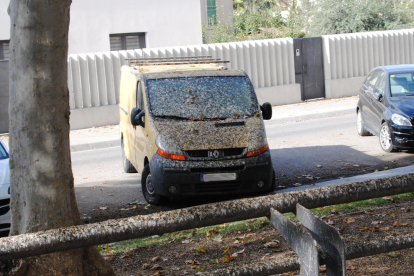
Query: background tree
[(253, 19), (42, 191), (349, 16)]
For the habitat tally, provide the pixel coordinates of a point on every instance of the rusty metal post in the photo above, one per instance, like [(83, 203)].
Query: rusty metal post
[(328, 238), (300, 241)]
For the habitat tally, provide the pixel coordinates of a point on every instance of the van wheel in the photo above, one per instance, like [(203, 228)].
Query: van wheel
[(128, 167), (148, 190), (273, 186)]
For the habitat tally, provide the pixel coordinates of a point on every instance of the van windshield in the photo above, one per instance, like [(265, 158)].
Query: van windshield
[(201, 98)]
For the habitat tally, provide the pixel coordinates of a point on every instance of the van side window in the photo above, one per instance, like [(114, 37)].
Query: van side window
[(140, 103)]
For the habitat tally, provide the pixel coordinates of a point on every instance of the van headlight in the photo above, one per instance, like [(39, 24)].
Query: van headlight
[(168, 147), (400, 120), (257, 143)]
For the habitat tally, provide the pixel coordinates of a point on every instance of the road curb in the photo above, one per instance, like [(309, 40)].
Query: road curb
[(97, 145)]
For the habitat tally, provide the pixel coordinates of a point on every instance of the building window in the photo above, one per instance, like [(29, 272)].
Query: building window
[(4, 49), (211, 12), (127, 41)]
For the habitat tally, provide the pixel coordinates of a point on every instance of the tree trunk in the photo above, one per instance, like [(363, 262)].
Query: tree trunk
[(42, 191)]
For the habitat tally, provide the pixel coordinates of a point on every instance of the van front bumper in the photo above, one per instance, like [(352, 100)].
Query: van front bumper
[(177, 178)]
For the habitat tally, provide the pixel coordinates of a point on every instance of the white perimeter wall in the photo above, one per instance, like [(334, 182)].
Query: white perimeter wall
[(165, 22)]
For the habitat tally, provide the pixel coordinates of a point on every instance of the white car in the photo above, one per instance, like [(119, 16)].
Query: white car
[(4, 190)]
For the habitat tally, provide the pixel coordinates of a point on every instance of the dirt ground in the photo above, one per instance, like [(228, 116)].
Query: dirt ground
[(206, 255)]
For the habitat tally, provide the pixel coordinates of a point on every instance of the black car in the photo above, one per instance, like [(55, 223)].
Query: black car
[(386, 106)]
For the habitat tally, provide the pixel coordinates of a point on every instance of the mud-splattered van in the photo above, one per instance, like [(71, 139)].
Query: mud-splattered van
[(193, 128)]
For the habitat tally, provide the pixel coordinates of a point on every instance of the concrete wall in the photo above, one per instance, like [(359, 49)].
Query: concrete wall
[(89, 117), (348, 58), (4, 96)]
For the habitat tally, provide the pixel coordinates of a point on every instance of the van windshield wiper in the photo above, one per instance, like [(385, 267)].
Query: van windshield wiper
[(172, 117)]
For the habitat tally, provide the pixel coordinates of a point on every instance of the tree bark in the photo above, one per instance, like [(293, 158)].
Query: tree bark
[(42, 191)]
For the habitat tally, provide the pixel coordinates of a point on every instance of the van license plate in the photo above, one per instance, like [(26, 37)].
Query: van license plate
[(218, 177)]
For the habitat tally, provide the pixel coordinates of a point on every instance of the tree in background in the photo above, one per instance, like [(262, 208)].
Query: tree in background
[(254, 19), (42, 191), (349, 16), (262, 19)]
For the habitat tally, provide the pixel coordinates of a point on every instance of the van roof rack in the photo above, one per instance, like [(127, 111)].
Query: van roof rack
[(174, 61)]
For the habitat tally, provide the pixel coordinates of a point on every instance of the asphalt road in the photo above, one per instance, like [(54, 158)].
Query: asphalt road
[(303, 152)]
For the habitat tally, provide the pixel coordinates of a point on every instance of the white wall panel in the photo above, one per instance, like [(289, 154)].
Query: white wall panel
[(109, 72), (93, 80), (70, 86), (101, 80)]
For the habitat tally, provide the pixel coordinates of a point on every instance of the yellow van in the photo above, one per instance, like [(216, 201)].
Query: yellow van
[(192, 127)]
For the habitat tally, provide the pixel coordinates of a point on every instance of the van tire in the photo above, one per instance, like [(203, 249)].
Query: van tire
[(151, 198), (128, 167)]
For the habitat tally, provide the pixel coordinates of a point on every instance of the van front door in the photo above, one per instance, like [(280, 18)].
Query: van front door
[(139, 134)]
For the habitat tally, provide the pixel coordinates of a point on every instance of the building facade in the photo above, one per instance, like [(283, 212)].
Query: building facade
[(107, 25)]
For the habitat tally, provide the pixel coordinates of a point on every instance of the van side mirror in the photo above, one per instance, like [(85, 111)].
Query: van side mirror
[(134, 113), (140, 119), (378, 96), (266, 109)]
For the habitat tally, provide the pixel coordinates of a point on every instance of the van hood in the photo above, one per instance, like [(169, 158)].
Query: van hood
[(202, 135)]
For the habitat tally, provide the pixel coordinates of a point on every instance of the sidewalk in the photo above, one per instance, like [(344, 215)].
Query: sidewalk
[(108, 136)]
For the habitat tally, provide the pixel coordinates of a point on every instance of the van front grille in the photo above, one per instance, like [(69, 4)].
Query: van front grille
[(223, 152)]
